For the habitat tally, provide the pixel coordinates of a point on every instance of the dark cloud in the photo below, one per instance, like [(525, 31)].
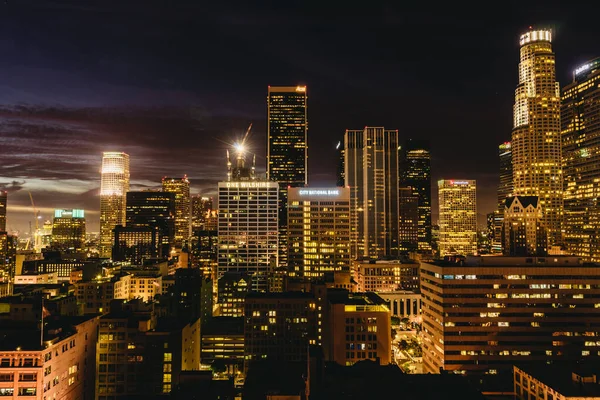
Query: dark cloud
[(12, 187)]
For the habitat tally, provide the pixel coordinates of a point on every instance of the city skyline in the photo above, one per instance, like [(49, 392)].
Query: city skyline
[(57, 124)]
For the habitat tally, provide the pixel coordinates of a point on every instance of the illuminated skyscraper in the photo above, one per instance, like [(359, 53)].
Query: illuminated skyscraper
[(580, 117), (114, 186), (248, 223), (505, 189), (318, 231), (183, 209), (341, 173), (287, 147), (458, 217), (371, 171), (523, 233), (415, 172), (408, 220), (536, 142), (201, 206), (68, 230), (3, 204)]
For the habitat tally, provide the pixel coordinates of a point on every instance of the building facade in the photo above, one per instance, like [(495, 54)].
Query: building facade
[(536, 141), (68, 230), (279, 326), (318, 231), (114, 186), (357, 328), (408, 221), (153, 208), (580, 141), (63, 368), (386, 275), (183, 207), (458, 217), (524, 233), (486, 314), (415, 172), (287, 147), (248, 229), (371, 171)]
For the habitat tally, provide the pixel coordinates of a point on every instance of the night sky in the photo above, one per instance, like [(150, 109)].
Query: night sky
[(172, 83)]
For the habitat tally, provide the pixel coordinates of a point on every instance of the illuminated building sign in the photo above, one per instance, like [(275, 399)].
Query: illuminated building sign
[(459, 182), (251, 184), (319, 192), (586, 67)]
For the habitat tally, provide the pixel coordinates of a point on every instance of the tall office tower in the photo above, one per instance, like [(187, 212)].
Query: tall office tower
[(201, 206), (287, 147), (536, 142), (341, 173), (408, 220), (458, 217), (153, 209), (136, 243), (3, 204), (371, 168), (505, 189), (523, 233), (68, 230), (318, 231), (183, 208), (114, 186), (580, 140), (248, 223), (415, 172)]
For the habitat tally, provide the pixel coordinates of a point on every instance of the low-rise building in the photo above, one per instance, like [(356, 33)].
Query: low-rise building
[(557, 381), (58, 365), (386, 275), (358, 327)]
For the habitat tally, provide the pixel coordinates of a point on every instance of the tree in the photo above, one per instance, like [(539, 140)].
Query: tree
[(218, 366)]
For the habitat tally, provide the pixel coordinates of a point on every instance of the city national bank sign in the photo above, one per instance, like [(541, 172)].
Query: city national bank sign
[(319, 192)]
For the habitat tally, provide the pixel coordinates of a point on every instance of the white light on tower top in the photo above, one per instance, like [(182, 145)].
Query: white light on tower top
[(536, 36)]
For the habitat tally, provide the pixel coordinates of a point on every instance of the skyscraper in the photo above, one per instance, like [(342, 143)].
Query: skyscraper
[(114, 186), (523, 233), (287, 147), (183, 209), (458, 217), (248, 223), (341, 173), (201, 206), (536, 142), (505, 187), (371, 172), (415, 172), (318, 231), (153, 209), (580, 140), (408, 220), (68, 230), (3, 204)]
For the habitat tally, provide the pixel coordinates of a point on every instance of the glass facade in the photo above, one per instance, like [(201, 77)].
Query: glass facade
[(458, 217), (580, 120)]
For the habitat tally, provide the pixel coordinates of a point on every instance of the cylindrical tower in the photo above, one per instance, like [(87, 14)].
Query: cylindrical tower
[(114, 186), (536, 144)]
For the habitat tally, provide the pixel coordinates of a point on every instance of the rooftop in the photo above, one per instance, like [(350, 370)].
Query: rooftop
[(510, 261), (357, 299), (280, 295)]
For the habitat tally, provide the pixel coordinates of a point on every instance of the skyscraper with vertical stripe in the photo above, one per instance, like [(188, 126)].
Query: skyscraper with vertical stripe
[(371, 172)]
